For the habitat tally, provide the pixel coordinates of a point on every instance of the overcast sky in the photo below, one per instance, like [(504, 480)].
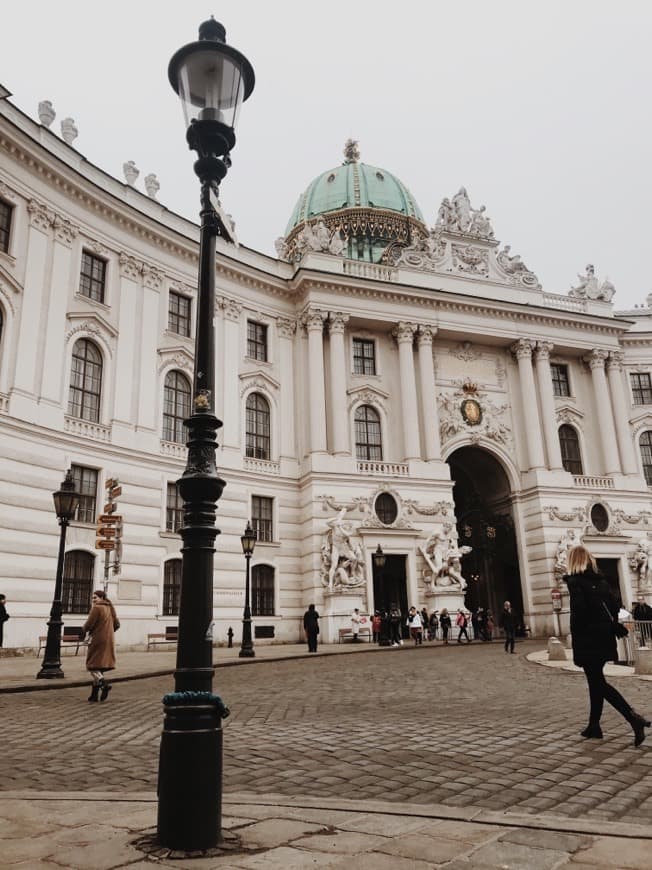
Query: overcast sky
[(541, 109)]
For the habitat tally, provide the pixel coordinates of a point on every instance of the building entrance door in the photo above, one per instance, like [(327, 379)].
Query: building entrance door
[(609, 568), (390, 586)]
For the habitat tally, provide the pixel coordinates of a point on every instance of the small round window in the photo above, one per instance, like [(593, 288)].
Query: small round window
[(380, 176), (386, 508), (600, 517), (331, 177)]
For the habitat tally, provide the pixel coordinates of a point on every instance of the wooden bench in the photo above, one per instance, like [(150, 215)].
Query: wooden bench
[(72, 635), (346, 633), (171, 635)]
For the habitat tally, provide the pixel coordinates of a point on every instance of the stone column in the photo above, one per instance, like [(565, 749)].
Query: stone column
[(313, 321), (286, 329), (522, 349), (604, 418), (429, 411), (550, 429), (338, 407), (621, 414), (404, 334)]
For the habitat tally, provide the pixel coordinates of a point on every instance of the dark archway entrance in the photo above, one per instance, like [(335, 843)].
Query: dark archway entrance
[(483, 508)]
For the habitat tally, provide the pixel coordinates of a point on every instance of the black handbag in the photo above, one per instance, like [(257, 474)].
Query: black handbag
[(618, 628)]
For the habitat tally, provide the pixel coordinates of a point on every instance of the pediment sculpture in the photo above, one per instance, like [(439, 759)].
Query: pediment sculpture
[(590, 287), (313, 237), (342, 556), (469, 409), (443, 557), (641, 565), (571, 538)]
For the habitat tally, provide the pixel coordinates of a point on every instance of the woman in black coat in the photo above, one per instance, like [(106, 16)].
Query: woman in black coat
[(593, 614)]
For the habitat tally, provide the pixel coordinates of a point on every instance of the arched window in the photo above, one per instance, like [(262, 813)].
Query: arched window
[(571, 458), (85, 381), (368, 444), (77, 588), (176, 406), (171, 587), (262, 590), (257, 427), (646, 456)]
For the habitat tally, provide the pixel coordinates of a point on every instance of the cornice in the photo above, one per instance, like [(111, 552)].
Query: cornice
[(246, 276)]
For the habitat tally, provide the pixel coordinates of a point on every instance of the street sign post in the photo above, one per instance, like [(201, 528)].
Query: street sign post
[(109, 529)]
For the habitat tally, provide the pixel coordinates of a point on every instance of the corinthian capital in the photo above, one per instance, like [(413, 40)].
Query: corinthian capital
[(286, 327), (313, 319), (596, 359), (615, 361), (543, 350), (40, 215), (64, 230), (404, 332), (337, 322), (522, 349), (426, 334)]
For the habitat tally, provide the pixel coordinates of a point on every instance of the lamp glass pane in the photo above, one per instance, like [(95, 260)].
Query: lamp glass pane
[(211, 87)]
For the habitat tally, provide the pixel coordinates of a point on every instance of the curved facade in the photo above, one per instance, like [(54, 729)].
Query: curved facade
[(413, 402)]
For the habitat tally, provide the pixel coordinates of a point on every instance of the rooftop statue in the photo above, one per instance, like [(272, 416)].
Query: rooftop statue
[(131, 172), (68, 131), (590, 288), (513, 265), (458, 216), (46, 113), (152, 185), (351, 151), (462, 207)]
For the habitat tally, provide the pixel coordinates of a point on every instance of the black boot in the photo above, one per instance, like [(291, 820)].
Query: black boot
[(106, 688), (95, 691), (639, 724), (592, 732)]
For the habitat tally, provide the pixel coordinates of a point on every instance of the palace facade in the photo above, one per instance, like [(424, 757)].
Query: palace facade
[(381, 383)]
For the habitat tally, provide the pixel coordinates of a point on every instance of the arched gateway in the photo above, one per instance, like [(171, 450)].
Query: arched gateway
[(483, 507)]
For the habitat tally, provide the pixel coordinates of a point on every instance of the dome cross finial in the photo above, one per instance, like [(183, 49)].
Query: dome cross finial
[(351, 151)]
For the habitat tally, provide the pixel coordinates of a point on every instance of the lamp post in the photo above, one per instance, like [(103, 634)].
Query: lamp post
[(379, 559), (66, 502), (248, 541), (212, 79)]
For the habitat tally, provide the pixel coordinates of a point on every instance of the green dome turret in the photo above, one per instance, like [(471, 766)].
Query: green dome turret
[(371, 207)]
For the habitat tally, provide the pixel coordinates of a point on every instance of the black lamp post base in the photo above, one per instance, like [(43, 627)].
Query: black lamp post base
[(50, 672), (247, 653)]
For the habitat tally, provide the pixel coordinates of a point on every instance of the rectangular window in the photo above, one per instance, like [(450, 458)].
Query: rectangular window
[(86, 484), (262, 591), (92, 277), (261, 517), (364, 356), (173, 509), (5, 225), (172, 587), (641, 388), (560, 384), (256, 340), (179, 314)]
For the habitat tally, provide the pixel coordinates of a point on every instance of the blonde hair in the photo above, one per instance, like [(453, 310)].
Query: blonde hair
[(579, 559)]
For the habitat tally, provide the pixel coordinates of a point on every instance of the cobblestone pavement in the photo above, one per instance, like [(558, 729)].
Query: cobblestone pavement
[(459, 726)]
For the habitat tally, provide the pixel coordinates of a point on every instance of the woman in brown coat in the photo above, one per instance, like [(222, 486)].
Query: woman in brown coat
[(101, 624)]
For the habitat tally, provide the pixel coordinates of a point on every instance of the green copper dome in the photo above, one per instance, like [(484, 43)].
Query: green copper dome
[(353, 185), (354, 211)]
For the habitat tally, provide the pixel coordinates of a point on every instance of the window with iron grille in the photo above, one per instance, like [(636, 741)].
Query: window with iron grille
[(261, 517), (171, 587), (364, 356), (560, 383), (176, 406), (262, 590), (646, 456), (173, 508), (256, 340), (92, 278), (85, 381), (5, 225), (257, 427), (641, 388), (368, 443), (179, 314), (77, 587), (86, 485), (569, 441)]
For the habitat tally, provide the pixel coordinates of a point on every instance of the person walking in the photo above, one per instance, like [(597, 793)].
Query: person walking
[(395, 625), (461, 622), (416, 626), (376, 623), (434, 624), (102, 623), (425, 623), (445, 623), (355, 624), (311, 627), (508, 625), (593, 624), (4, 616)]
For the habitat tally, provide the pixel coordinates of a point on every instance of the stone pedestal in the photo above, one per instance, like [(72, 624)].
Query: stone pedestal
[(556, 650), (450, 597), (337, 610), (643, 660)]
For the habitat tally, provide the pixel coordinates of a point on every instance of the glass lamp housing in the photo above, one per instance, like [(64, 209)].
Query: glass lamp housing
[(379, 557), (66, 499), (248, 540)]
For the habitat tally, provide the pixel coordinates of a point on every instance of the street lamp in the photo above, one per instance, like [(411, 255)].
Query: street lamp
[(248, 541), (212, 80), (66, 502), (379, 560)]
